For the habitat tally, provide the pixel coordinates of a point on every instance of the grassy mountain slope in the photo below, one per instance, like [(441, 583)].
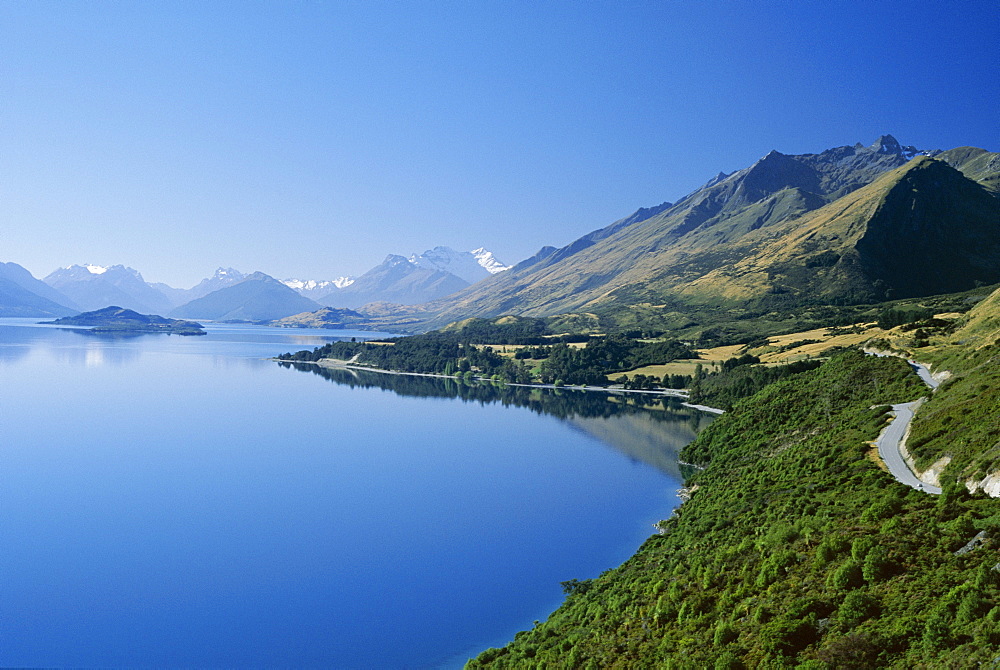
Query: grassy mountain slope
[(328, 317), (868, 224), (957, 431), (795, 550), (976, 164), (918, 230)]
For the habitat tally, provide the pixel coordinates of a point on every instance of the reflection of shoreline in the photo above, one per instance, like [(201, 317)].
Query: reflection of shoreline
[(333, 364), (648, 428)]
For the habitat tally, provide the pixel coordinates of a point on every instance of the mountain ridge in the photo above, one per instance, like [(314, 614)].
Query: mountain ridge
[(257, 297), (652, 260)]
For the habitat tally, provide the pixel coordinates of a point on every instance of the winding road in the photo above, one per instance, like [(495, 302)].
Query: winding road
[(891, 440)]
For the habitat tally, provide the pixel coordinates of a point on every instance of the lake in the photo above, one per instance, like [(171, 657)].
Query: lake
[(175, 501)]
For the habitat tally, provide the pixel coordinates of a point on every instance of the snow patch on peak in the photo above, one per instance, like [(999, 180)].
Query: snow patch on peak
[(472, 266), (313, 286), (94, 269), (887, 144), (343, 282), (488, 261), (228, 273)]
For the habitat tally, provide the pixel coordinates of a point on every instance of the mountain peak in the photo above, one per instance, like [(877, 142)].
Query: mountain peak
[(228, 273), (471, 266), (488, 261), (395, 259), (887, 144)]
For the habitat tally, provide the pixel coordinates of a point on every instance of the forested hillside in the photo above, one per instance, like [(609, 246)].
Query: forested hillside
[(795, 550)]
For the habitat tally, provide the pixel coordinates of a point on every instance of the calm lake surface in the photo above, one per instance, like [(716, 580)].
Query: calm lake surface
[(177, 501)]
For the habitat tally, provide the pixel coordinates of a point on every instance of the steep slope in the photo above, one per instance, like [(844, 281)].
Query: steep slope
[(662, 258), (396, 280), (976, 164), (919, 230), (93, 287), (15, 277), (794, 550), (980, 326), (222, 278), (176, 296), (258, 297), (15, 300)]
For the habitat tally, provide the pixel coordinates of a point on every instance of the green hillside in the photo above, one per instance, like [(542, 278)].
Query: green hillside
[(795, 550), (847, 226)]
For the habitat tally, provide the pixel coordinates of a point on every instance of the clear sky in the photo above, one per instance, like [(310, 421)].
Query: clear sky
[(310, 139)]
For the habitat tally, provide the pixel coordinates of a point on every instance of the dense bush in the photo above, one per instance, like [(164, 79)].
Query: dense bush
[(795, 551)]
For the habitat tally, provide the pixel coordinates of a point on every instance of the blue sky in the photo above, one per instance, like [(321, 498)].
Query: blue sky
[(312, 138)]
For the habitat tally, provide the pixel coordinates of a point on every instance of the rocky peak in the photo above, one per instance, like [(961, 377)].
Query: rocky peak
[(887, 144), (395, 259), (228, 274)]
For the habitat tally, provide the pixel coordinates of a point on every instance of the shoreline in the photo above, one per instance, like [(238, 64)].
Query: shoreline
[(670, 393)]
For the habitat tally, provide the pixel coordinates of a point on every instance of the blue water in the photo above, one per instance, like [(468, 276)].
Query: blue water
[(177, 501)]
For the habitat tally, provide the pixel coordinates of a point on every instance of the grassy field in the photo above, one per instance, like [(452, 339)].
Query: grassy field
[(779, 350)]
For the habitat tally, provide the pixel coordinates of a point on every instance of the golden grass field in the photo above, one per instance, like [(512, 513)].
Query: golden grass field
[(775, 353), (778, 350)]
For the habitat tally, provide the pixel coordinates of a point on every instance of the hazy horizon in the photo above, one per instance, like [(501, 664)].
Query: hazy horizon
[(311, 140)]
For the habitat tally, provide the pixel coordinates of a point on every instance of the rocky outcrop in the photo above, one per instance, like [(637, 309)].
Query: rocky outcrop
[(990, 485)]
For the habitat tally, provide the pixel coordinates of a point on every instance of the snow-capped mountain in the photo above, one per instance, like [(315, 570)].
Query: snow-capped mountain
[(314, 289), (222, 278), (486, 259), (398, 280), (256, 297), (96, 286), (472, 266), (313, 284)]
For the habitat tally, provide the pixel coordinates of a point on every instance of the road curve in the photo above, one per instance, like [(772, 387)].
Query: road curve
[(889, 443)]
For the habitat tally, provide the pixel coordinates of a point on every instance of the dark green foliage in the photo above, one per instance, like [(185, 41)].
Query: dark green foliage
[(450, 351), (897, 316), (119, 320), (505, 330), (606, 355), (576, 586), (742, 379), (795, 550)]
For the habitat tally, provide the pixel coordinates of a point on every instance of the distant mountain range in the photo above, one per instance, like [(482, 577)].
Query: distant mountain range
[(23, 295), (846, 226), (257, 297), (93, 287), (420, 278)]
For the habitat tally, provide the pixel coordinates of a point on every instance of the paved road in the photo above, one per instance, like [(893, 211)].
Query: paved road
[(924, 373), (888, 448), (891, 439)]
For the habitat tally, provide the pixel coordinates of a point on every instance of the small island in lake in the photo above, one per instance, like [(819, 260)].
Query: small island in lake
[(121, 320)]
